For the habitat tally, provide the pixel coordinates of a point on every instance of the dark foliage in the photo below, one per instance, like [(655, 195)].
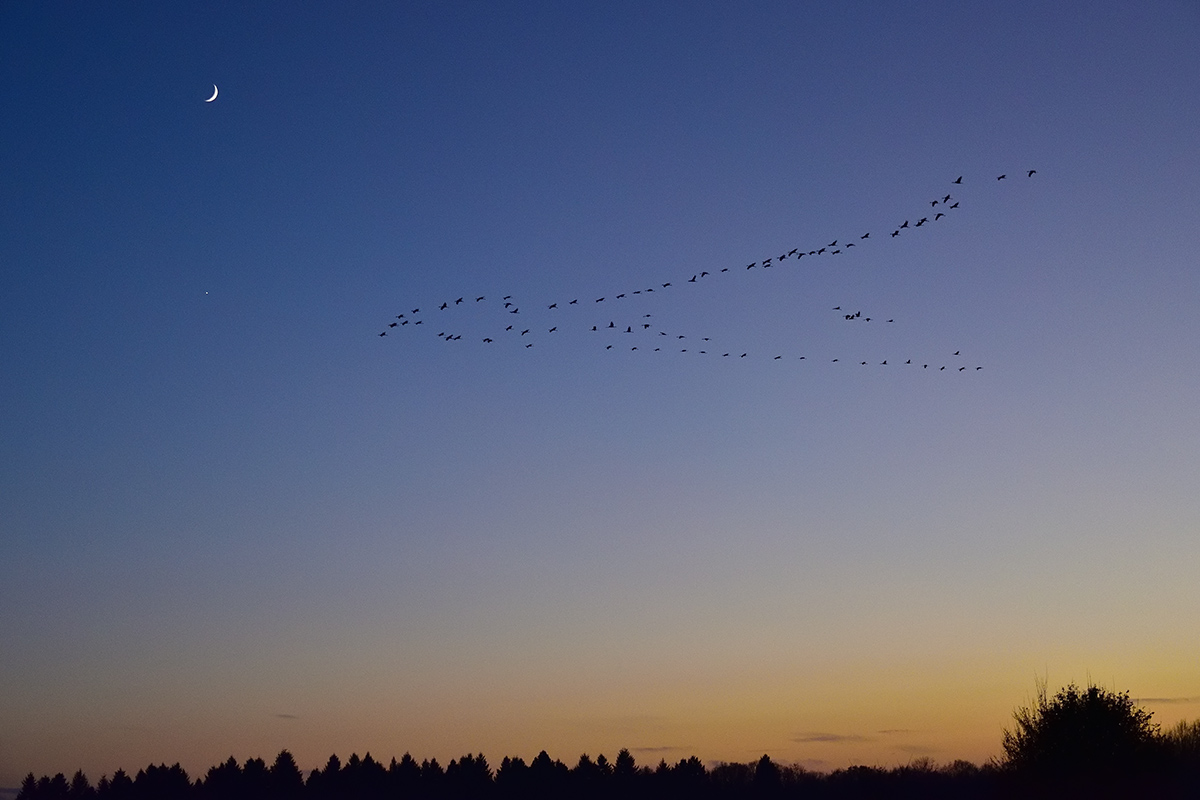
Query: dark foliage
[(1081, 743)]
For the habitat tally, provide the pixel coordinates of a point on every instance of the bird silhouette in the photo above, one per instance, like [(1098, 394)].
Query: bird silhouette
[(489, 341), (394, 324), (939, 216), (905, 225), (934, 203), (477, 299), (832, 244), (552, 330), (1002, 177), (612, 324), (1032, 172), (509, 328), (959, 180), (955, 205), (416, 311), (703, 274), (692, 279), (620, 296), (601, 300), (459, 300), (956, 352), (665, 285), (895, 234), (507, 297), (553, 305), (866, 235), (946, 199), (629, 329), (383, 334), (524, 331), (573, 302), (444, 306)]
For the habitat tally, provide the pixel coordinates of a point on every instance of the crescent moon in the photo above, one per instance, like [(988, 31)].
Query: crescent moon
[(214, 97)]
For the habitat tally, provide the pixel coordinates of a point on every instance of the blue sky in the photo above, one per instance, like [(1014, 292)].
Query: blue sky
[(234, 519)]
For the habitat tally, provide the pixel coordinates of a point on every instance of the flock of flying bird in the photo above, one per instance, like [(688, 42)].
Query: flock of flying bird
[(681, 342)]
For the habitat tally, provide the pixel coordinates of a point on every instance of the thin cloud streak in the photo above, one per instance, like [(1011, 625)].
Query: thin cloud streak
[(1167, 700), (830, 737)]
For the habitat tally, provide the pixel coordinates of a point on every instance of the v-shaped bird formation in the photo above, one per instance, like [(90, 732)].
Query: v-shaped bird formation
[(642, 334)]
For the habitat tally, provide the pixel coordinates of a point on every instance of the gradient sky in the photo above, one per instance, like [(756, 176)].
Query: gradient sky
[(234, 519)]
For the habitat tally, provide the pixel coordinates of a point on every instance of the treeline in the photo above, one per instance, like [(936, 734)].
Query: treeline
[(472, 777)]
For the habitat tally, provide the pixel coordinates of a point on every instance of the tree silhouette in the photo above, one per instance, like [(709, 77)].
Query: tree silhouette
[(1088, 734)]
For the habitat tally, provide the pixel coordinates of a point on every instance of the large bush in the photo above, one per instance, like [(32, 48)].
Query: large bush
[(1082, 733)]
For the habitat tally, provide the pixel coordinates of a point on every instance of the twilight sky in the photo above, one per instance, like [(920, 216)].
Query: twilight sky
[(233, 518)]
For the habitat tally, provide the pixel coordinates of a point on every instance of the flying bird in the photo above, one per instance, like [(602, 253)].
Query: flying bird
[(1032, 172), (905, 225), (959, 180), (1002, 177), (946, 199), (459, 300), (444, 306), (553, 305), (477, 299)]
